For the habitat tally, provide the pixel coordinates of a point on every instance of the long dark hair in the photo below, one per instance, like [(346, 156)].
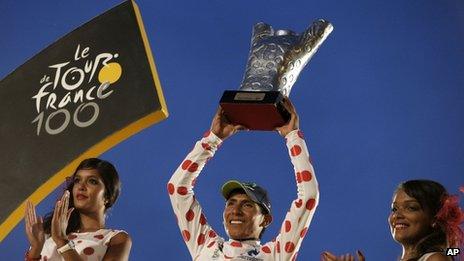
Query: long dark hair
[(110, 179), (431, 196)]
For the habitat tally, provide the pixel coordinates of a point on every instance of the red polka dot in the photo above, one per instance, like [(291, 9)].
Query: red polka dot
[(186, 164), (295, 150), (201, 239), (236, 244), (212, 234), (206, 134), (298, 177), (278, 247), (202, 219), (288, 226), (88, 251), (303, 232), (182, 191), (306, 175), (211, 244), (266, 249), (186, 235), (99, 236), (289, 247), (80, 241), (171, 188), (72, 236), (193, 167), (189, 215), (45, 258), (206, 146), (300, 134), (310, 204), (299, 203)]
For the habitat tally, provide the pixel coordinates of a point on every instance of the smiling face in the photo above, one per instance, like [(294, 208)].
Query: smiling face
[(409, 221), (243, 218), (88, 191)]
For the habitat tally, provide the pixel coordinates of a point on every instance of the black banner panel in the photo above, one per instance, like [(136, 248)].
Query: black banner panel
[(80, 96)]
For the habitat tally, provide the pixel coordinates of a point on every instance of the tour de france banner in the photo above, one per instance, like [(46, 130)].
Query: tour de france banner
[(77, 98)]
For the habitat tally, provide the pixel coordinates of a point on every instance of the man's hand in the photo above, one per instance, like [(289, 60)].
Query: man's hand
[(222, 127), (293, 123)]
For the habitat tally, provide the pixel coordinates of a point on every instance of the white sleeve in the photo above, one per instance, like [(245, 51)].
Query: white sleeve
[(287, 243), (192, 222)]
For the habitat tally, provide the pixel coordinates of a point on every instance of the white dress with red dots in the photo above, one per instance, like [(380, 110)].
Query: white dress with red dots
[(90, 246), (203, 242), (426, 256)]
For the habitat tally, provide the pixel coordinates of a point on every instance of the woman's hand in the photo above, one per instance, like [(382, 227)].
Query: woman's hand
[(34, 230), (60, 219), (222, 127), (293, 123), (327, 256)]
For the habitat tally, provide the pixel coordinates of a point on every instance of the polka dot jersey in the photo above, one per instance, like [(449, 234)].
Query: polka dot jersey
[(203, 242)]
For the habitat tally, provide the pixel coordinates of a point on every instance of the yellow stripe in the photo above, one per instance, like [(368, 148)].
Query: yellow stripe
[(60, 176), (151, 60)]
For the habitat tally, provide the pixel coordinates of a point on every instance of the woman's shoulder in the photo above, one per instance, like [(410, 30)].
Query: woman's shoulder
[(434, 256), (113, 231), (117, 237)]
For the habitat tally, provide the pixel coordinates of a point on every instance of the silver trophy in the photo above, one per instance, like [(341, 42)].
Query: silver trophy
[(276, 59)]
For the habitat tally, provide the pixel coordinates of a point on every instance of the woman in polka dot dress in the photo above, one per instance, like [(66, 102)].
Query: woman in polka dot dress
[(245, 216), (75, 230)]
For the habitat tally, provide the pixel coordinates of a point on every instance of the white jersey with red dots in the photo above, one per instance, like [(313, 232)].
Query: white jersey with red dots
[(203, 242), (90, 246)]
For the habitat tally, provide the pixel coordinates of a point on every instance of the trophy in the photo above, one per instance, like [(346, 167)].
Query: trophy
[(276, 59)]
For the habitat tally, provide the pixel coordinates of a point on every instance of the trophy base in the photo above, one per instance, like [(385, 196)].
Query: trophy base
[(256, 110)]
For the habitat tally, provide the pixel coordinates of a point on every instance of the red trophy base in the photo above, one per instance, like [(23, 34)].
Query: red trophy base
[(256, 110)]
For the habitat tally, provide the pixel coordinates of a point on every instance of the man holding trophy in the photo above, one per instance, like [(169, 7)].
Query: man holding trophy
[(274, 64)]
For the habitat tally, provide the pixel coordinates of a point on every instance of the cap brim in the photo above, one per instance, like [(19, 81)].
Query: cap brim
[(229, 186), (232, 185)]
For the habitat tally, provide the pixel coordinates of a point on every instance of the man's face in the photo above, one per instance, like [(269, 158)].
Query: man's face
[(243, 218)]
